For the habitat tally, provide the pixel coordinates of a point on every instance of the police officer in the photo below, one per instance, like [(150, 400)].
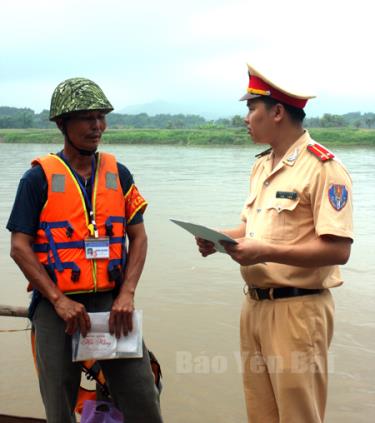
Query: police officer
[(296, 228), (72, 214)]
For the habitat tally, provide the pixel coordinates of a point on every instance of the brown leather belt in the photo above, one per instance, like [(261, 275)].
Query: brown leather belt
[(260, 294)]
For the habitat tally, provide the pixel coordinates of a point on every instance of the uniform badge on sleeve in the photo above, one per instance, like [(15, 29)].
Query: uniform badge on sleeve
[(338, 196)]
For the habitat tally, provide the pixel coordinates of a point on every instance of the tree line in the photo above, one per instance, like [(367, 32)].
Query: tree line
[(13, 117), (353, 119)]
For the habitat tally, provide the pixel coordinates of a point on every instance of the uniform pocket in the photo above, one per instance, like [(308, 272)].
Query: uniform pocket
[(281, 220), (302, 324)]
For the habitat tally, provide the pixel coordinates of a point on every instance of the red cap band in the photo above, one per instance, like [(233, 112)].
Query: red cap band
[(256, 83)]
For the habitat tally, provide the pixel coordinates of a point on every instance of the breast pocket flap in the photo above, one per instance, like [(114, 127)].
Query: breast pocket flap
[(283, 204)]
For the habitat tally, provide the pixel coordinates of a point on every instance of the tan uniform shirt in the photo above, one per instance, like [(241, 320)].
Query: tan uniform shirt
[(299, 200)]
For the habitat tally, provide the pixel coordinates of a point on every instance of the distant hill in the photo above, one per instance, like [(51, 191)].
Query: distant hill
[(210, 111), (154, 108)]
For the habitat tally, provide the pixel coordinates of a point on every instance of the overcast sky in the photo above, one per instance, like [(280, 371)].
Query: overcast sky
[(189, 52)]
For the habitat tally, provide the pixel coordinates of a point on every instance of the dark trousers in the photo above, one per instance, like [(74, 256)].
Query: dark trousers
[(130, 381)]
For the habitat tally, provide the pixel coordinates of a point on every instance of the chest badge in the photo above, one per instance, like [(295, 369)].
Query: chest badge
[(292, 158), (338, 196), (290, 195)]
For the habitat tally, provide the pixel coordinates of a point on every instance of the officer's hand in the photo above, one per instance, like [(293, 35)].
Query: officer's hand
[(205, 247), (121, 316), (74, 314), (246, 252)]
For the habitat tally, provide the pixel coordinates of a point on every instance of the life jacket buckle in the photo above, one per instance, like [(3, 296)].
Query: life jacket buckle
[(114, 274), (75, 275), (69, 231), (109, 229)]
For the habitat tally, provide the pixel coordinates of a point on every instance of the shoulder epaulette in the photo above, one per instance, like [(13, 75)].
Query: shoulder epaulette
[(264, 153), (321, 152)]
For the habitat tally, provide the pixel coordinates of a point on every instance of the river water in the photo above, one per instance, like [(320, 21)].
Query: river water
[(191, 305)]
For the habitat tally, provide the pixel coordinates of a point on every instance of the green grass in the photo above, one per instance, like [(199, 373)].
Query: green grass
[(207, 136), (210, 136), (343, 136), (30, 136)]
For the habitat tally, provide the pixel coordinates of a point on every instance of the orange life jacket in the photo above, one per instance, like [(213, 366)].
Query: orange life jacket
[(64, 225)]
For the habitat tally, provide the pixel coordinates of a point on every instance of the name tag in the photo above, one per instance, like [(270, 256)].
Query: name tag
[(97, 248), (290, 195)]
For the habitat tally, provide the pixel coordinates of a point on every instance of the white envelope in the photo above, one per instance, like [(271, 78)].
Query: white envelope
[(99, 344)]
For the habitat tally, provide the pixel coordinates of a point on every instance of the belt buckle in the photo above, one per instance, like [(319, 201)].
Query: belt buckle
[(268, 291), (270, 294)]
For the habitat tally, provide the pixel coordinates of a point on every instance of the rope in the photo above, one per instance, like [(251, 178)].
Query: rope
[(16, 330)]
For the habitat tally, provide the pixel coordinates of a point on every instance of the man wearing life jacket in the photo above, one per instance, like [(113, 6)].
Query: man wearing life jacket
[(73, 215), (296, 228)]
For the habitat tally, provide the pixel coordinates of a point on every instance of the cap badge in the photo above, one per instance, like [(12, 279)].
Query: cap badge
[(258, 91)]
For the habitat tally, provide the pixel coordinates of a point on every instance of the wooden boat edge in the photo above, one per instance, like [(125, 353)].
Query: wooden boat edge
[(4, 418)]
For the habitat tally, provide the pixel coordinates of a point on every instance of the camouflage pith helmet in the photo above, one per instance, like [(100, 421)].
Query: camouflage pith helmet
[(77, 94)]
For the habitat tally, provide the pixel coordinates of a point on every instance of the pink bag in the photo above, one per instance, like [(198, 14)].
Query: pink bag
[(100, 412)]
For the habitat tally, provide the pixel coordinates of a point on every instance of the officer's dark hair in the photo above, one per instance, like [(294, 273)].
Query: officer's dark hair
[(296, 114)]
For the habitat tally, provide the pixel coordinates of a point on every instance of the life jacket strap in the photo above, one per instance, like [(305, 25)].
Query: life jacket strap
[(45, 248), (76, 271), (47, 229), (115, 266), (109, 224)]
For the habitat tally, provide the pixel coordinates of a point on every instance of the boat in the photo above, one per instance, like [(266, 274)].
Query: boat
[(4, 418)]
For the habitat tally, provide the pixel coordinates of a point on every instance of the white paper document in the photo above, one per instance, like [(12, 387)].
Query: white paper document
[(99, 344), (205, 233)]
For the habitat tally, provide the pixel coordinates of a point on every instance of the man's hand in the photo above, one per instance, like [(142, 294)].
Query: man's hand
[(74, 314), (246, 252), (205, 247), (121, 316)]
